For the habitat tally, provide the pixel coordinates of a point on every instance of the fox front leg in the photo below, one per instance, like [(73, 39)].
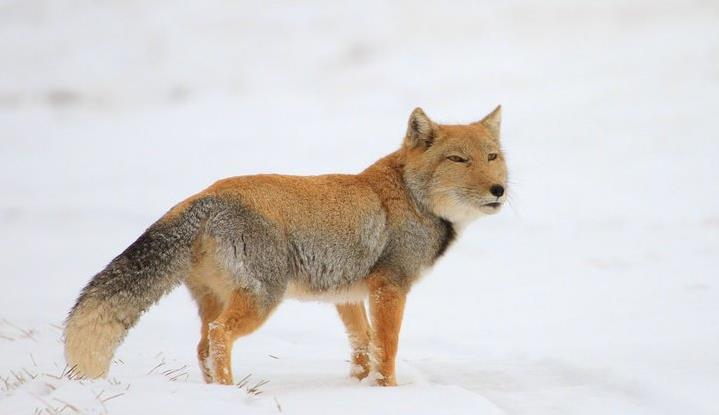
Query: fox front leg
[(354, 317), (386, 303)]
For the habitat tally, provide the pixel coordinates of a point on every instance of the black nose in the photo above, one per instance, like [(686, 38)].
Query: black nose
[(497, 190)]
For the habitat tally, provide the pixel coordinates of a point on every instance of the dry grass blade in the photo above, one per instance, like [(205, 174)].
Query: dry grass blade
[(156, 367), (29, 374), (29, 334), (7, 386), (251, 390), (174, 374), (170, 372), (98, 397), (19, 378), (241, 384), (113, 397), (68, 406), (256, 390), (48, 408), (72, 373), (185, 374), (279, 407)]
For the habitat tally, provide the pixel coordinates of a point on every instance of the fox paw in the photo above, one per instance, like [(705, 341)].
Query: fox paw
[(359, 371), (378, 379)]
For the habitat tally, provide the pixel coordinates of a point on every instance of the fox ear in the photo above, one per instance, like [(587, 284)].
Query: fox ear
[(420, 130), (493, 122)]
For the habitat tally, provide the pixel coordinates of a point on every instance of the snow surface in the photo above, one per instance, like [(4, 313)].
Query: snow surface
[(595, 292)]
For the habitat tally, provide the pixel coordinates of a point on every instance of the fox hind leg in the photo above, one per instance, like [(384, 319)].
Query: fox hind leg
[(354, 317), (242, 315), (210, 308)]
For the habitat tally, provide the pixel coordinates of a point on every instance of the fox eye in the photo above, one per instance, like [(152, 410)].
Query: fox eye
[(491, 156), (457, 159)]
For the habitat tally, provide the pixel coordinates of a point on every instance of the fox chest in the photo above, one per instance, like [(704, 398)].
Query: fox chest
[(334, 265), (415, 247)]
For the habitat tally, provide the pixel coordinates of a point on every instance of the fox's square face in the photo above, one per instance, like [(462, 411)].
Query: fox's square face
[(459, 171)]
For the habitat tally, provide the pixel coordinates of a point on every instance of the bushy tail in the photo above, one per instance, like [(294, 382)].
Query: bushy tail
[(114, 299)]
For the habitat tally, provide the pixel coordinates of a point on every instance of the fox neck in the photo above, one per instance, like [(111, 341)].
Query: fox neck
[(392, 168), (390, 172)]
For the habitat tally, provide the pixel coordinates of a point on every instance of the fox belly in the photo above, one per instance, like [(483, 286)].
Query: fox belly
[(351, 293)]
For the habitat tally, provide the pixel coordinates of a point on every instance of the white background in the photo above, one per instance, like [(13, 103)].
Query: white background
[(594, 291)]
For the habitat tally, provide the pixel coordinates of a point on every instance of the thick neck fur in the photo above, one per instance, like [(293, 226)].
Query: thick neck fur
[(401, 196), (388, 177)]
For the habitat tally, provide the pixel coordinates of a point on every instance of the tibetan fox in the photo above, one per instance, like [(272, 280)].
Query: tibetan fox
[(246, 243)]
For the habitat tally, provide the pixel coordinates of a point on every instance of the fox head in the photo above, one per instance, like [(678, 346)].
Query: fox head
[(458, 172)]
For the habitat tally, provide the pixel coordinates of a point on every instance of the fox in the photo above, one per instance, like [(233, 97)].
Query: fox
[(246, 243)]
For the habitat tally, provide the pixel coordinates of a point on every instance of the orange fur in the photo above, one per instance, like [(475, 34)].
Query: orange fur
[(209, 309), (285, 200), (225, 311), (241, 316), (375, 232), (386, 304), (354, 317)]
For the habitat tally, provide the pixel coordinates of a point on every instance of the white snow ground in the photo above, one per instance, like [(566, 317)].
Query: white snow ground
[(595, 292)]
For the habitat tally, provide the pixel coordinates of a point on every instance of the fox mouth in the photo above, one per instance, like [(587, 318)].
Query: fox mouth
[(493, 205)]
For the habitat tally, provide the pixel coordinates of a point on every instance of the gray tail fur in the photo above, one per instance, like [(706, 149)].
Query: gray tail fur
[(113, 301)]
